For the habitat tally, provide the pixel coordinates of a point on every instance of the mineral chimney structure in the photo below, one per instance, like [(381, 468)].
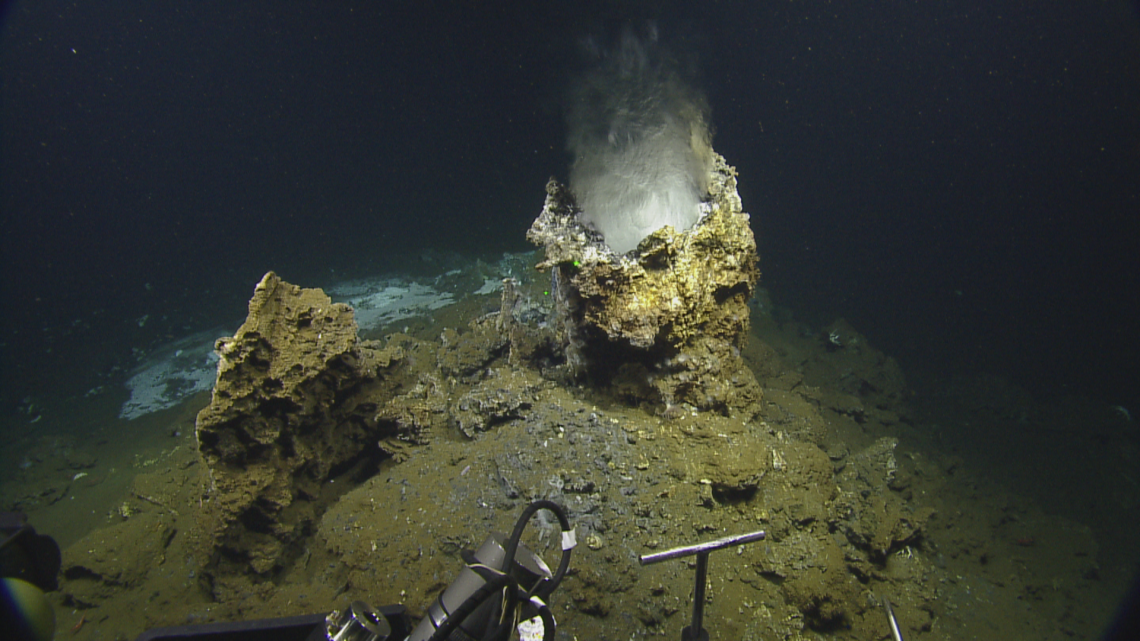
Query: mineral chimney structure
[(666, 321)]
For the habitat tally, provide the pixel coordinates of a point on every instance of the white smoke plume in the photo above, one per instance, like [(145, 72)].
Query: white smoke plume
[(641, 144)]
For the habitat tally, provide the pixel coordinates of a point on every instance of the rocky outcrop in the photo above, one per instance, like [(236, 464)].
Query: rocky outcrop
[(294, 399)]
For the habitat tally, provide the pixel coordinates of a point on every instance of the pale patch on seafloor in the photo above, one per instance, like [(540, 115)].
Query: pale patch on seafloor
[(380, 301), (171, 374), (490, 286)]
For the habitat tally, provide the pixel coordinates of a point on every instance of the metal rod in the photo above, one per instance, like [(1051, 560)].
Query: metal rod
[(699, 548), (891, 620), (699, 594), (696, 632)]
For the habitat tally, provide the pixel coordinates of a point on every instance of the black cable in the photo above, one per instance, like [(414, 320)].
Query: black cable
[(545, 589), (548, 624)]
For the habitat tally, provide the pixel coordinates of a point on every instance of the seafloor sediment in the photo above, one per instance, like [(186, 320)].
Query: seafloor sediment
[(851, 515)]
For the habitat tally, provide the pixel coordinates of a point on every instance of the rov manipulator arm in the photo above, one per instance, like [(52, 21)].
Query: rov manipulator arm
[(487, 576)]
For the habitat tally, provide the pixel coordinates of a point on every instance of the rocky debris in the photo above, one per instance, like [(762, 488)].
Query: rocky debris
[(464, 355), (803, 563), (502, 396), (870, 513), (633, 482), (857, 369), (794, 413), (414, 415), (726, 454)]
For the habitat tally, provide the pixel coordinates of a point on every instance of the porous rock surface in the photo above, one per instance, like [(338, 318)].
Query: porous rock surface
[(291, 402), (673, 313)]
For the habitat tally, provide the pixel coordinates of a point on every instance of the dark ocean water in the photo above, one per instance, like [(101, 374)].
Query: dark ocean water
[(959, 181)]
